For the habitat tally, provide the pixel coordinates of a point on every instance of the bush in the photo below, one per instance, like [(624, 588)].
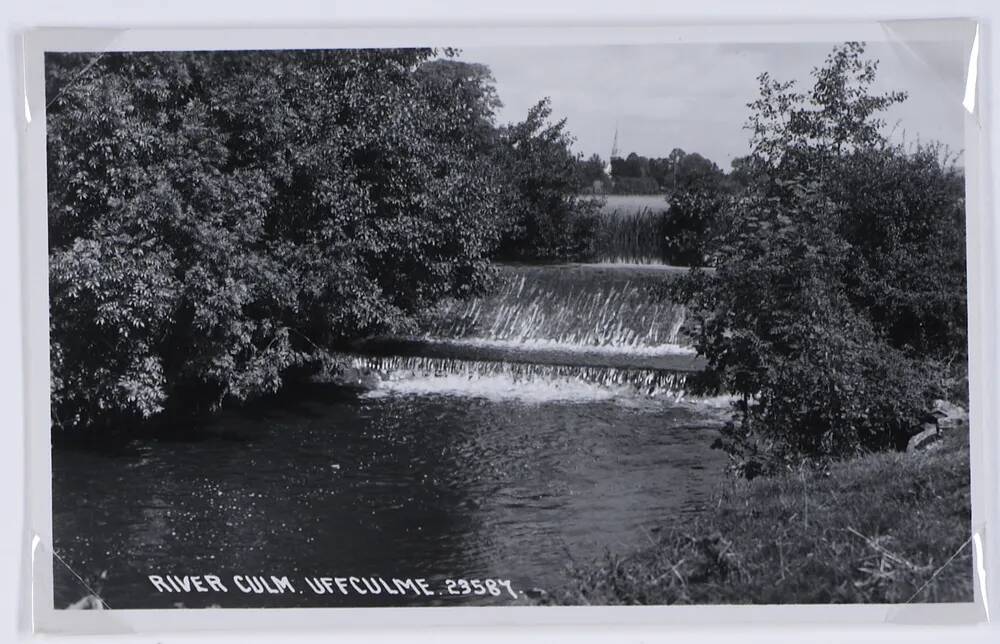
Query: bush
[(906, 227), (690, 225), (841, 394)]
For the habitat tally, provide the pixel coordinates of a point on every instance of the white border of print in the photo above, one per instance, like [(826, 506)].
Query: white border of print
[(983, 318)]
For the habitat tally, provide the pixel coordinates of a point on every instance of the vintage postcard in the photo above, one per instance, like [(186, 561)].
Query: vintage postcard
[(519, 319)]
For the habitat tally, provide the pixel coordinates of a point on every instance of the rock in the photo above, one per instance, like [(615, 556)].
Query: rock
[(949, 415), (944, 416), (928, 435)]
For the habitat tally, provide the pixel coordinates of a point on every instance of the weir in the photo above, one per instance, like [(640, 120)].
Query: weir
[(569, 331), (586, 305), (491, 379)]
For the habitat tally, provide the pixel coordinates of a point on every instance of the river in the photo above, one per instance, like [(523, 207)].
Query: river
[(451, 468)]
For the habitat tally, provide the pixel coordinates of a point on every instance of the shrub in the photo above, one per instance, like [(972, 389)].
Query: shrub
[(690, 225), (842, 393), (815, 378), (906, 227)]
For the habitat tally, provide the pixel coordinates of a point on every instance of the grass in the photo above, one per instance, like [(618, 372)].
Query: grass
[(883, 528)]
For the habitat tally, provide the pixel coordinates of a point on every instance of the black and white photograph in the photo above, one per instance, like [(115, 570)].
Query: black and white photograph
[(611, 324)]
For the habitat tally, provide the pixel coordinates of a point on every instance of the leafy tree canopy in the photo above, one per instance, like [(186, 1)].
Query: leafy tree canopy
[(838, 295), (217, 218)]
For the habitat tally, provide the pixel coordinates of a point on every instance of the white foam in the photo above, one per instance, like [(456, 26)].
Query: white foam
[(499, 387), (722, 402), (526, 383), (503, 387)]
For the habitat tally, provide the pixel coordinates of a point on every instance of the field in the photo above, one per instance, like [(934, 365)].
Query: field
[(630, 204)]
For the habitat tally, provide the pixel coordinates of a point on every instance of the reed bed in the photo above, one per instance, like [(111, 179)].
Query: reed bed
[(632, 236)]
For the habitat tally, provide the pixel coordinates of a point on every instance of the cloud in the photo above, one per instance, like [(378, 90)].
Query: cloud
[(694, 96)]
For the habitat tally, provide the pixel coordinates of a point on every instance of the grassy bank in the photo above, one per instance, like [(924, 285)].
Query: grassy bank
[(881, 528)]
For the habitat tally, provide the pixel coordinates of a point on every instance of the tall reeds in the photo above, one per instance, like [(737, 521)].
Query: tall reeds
[(631, 236)]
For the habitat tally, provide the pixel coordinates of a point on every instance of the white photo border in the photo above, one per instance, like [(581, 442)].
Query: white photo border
[(983, 322)]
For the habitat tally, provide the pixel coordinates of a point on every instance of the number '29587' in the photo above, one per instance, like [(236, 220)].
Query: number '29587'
[(494, 587)]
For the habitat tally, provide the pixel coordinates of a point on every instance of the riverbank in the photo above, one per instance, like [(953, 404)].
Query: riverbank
[(881, 528)]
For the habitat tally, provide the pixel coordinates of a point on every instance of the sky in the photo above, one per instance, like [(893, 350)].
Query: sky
[(694, 96)]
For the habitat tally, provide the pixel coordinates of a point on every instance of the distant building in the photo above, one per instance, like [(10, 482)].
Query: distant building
[(614, 154)]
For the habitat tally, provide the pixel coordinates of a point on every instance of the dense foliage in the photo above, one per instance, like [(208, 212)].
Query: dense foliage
[(691, 223), (637, 174), (591, 175), (839, 289), (216, 218), (549, 221)]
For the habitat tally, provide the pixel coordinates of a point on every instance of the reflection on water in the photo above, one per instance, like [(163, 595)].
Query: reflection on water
[(398, 484)]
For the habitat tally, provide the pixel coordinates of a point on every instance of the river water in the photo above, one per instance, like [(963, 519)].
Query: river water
[(448, 469)]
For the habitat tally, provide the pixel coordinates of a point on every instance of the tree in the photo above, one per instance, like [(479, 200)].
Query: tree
[(798, 132), (693, 172), (698, 190), (465, 95), (219, 218), (798, 319), (540, 176), (590, 172), (813, 376)]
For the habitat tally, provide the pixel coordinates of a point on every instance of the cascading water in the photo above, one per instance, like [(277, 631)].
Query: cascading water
[(523, 381), (563, 332), (584, 306)]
